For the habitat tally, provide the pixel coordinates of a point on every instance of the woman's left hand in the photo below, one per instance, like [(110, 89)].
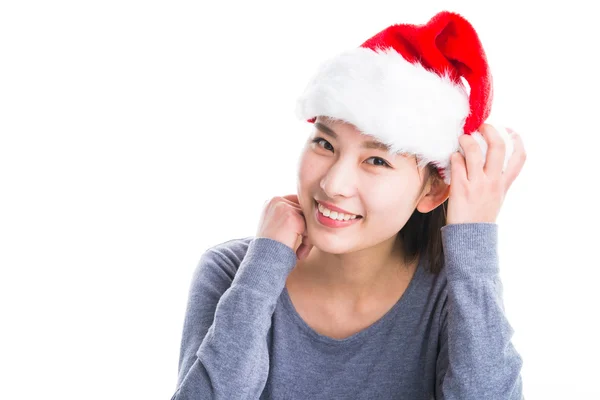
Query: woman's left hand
[(478, 186)]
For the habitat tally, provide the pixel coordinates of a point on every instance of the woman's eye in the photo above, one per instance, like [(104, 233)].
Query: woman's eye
[(383, 162), (318, 140)]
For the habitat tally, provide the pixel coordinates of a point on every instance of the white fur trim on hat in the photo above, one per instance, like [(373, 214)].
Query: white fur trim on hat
[(399, 103)]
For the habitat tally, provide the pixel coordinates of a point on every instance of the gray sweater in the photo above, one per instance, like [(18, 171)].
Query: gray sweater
[(447, 337)]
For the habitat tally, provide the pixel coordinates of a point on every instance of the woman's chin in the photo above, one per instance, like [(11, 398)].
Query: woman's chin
[(328, 244)]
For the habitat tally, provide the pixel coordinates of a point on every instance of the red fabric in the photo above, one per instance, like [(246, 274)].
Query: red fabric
[(448, 43)]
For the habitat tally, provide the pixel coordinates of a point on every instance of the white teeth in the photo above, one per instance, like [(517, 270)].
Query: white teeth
[(334, 214)]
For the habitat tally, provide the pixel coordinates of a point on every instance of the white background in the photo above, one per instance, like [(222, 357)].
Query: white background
[(136, 134)]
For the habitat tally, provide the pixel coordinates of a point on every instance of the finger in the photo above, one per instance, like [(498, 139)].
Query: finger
[(473, 156), (496, 151), (304, 248), (516, 161), (291, 197), (292, 203), (458, 168)]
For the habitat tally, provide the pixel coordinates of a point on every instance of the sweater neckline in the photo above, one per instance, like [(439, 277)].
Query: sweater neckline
[(366, 332)]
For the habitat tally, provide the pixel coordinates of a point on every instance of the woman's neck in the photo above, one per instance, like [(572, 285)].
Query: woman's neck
[(356, 277)]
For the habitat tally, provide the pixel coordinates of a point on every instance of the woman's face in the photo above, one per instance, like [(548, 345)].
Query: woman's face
[(337, 166)]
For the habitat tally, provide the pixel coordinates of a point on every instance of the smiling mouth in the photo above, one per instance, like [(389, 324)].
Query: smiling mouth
[(317, 206)]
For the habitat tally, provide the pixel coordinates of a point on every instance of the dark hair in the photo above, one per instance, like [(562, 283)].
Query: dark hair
[(421, 235)]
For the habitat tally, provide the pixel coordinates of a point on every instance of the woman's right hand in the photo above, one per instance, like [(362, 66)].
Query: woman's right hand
[(282, 219)]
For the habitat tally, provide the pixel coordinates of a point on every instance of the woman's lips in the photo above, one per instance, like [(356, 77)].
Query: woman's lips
[(331, 223), (332, 207)]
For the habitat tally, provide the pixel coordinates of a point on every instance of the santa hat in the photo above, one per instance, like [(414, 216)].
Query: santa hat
[(405, 87)]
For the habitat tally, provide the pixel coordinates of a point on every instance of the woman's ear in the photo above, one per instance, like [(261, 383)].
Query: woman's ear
[(435, 193)]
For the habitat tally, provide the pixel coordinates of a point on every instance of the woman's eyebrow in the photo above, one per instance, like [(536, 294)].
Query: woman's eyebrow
[(369, 144), (326, 130)]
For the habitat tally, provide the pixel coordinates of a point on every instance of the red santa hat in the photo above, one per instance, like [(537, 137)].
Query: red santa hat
[(405, 87)]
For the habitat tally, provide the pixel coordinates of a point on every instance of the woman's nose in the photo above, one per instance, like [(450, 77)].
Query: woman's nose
[(340, 180)]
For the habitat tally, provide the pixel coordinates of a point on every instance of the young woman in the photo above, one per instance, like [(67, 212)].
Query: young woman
[(379, 278)]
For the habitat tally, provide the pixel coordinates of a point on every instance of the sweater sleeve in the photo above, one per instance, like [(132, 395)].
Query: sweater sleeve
[(224, 352), (476, 358)]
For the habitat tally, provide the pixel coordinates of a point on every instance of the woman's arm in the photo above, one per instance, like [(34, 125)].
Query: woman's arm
[(476, 359), (224, 352)]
